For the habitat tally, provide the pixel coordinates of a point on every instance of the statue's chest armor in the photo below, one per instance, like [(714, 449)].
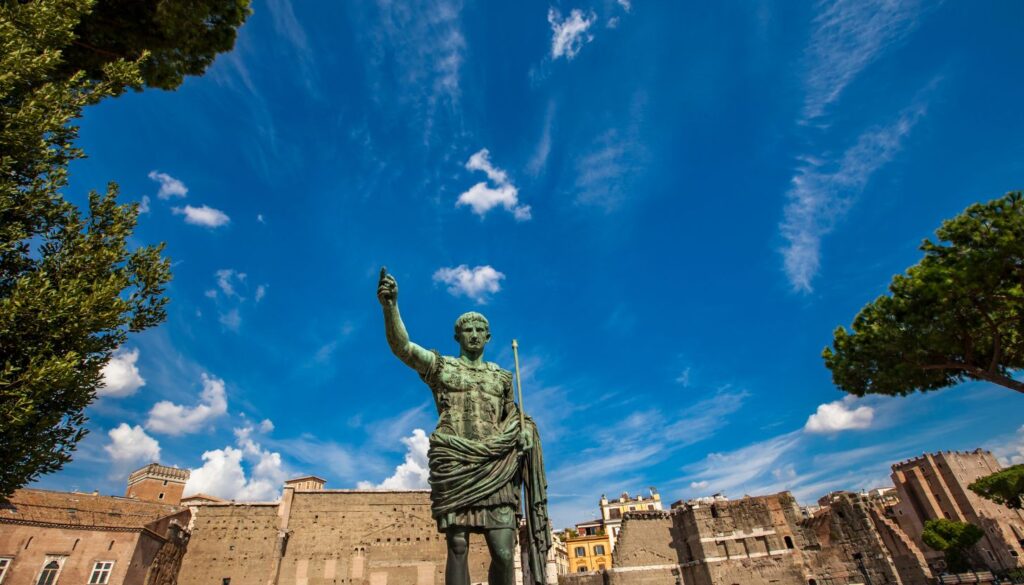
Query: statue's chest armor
[(469, 400)]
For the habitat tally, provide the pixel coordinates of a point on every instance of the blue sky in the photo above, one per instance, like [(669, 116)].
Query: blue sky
[(670, 205)]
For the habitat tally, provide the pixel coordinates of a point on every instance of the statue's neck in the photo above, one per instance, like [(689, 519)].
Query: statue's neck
[(472, 359)]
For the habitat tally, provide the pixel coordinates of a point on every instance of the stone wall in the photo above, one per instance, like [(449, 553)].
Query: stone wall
[(324, 537), (761, 541)]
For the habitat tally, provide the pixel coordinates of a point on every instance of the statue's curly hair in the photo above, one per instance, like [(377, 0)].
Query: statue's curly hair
[(468, 317)]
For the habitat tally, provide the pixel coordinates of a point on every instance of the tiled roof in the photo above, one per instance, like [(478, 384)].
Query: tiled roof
[(77, 509)]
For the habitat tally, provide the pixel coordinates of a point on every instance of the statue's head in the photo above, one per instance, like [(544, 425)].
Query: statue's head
[(472, 331)]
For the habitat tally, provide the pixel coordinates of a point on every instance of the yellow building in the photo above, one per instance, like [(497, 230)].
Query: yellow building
[(590, 549)]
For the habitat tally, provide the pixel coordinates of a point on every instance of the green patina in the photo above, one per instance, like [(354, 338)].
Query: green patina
[(483, 453)]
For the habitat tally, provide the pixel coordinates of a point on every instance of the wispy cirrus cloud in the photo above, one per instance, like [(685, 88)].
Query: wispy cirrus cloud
[(627, 445), (418, 48), (848, 36), (822, 191), (287, 26)]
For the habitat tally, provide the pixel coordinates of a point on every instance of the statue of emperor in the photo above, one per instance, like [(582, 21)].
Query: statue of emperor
[(480, 455)]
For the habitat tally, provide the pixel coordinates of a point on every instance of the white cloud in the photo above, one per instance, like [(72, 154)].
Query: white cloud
[(569, 35), (480, 161), (699, 485), (121, 376), (417, 51), (482, 197), (413, 473), (144, 204), (266, 425), (261, 291), (605, 172), (210, 294), (175, 419), (626, 5), (849, 36), (683, 379), (169, 186), (725, 472), (203, 215), (840, 415), (627, 445), (543, 150), (1012, 452), (822, 191), (130, 446), (476, 283), (226, 279), (232, 319), (259, 218), (223, 474)]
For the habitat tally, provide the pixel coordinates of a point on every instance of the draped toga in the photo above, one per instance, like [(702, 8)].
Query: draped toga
[(476, 467)]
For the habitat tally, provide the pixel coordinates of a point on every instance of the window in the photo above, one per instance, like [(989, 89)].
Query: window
[(581, 569), (226, 581), (5, 563), (789, 542), (165, 482), (101, 572), (599, 549), (615, 513), (650, 506), (161, 496), (51, 569), (1013, 553), (581, 552)]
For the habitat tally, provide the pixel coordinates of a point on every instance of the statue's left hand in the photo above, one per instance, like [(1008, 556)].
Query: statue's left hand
[(526, 439)]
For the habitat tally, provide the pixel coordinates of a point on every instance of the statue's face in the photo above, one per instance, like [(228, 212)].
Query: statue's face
[(473, 336)]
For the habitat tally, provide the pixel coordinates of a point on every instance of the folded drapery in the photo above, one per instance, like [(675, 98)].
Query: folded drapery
[(464, 472)]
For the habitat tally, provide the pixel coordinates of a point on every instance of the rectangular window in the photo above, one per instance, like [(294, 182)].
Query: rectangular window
[(5, 563), (599, 549), (101, 572), (581, 552)]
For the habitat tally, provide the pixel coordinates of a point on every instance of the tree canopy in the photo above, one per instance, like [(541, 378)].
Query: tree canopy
[(1004, 487), (71, 288), (956, 315), (954, 539), (180, 38)]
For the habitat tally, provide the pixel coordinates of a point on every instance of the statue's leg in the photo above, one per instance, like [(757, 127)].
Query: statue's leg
[(502, 544), (456, 570)]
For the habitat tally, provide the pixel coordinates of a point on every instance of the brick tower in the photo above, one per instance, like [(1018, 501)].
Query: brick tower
[(157, 483)]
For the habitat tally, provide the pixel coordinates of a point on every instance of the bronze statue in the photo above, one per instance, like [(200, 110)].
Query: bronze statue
[(483, 451)]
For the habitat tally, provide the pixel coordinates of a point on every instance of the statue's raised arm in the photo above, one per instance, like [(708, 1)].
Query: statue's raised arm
[(411, 354)]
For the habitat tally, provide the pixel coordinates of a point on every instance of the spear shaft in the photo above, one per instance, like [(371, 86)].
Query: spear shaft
[(519, 384)]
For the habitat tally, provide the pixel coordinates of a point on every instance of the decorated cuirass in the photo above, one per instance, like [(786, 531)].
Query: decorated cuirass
[(471, 400)]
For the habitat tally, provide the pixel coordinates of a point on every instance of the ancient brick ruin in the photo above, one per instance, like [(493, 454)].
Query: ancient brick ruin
[(761, 540), (320, 537)]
